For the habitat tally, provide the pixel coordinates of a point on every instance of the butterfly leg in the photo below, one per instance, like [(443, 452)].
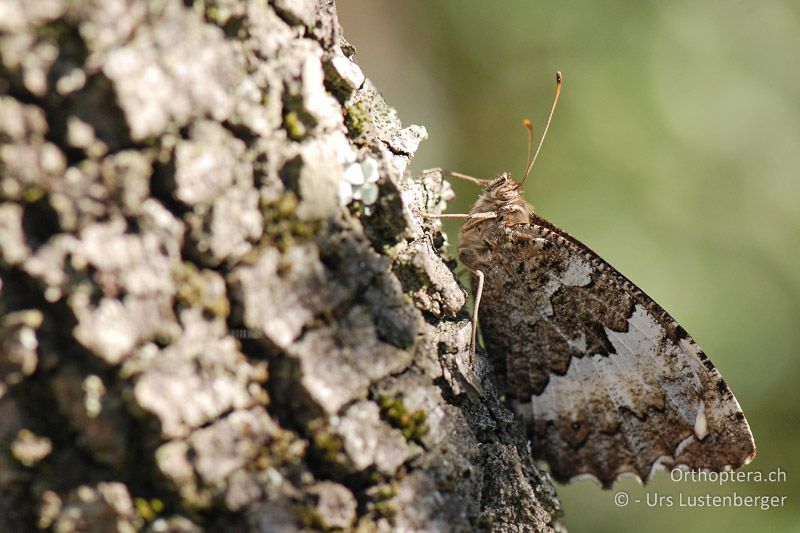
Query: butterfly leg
[(473, 337), (470, 216), (459, 175)]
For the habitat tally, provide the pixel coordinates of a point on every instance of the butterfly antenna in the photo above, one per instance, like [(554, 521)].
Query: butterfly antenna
[(529, 126), (547, 126)]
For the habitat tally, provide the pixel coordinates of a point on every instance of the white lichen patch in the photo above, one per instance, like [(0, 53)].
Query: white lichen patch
[(360, 182), (29, 448), (94, 390)]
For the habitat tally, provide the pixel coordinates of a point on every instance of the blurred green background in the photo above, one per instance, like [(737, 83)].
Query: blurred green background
[(674, 154)]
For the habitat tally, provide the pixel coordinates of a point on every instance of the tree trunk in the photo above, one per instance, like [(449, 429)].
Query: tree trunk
[(218, 310)]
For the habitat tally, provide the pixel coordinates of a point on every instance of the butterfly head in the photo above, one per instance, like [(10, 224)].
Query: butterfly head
[(503, 196), (503, 189)]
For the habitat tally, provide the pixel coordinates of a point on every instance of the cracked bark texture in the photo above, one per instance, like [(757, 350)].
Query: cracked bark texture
[(218, 311)]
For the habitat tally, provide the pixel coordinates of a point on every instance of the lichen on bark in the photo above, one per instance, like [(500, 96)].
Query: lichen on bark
[(218, 309)]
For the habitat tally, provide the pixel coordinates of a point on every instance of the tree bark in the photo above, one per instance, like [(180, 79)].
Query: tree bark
[(218, 310)]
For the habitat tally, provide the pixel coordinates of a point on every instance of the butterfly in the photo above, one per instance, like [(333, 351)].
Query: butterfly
[(606, 381)]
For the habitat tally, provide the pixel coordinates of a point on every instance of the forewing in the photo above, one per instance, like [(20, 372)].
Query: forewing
[(606, 380)]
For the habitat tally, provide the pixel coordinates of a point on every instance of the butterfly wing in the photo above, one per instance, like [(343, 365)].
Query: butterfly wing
[(607, 382)]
